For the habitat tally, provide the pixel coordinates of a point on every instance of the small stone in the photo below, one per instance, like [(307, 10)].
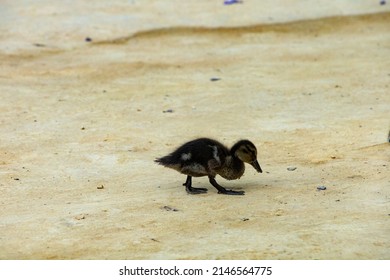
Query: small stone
[(168, 111), (215, 79), (383, 2), (169, 208), (80, 217), (244, 219), (291, 168), (88, 39), (231, 2), (321, 188), (279, 212), (100, 187)]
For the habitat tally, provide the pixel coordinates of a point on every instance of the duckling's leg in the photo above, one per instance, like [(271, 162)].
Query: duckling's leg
[(222, 190), (192, 190)]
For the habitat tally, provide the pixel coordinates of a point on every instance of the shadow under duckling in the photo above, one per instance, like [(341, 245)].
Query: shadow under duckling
[(208, 157)]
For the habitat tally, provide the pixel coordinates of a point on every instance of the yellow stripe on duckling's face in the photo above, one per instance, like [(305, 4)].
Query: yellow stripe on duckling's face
[(247, 153)]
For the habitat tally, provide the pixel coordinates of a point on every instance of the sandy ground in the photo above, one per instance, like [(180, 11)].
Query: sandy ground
[(81, 123)]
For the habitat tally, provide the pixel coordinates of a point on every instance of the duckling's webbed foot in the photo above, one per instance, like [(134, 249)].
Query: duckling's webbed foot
[(222, 190), (190, 189)]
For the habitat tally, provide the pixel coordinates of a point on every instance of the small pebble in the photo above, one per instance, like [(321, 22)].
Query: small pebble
[(231, 2), (244, 219), (168, 208), (88, 39), (383, 2), (168, 111), (215, 79), (100, 187), (80, 217), (321, 188), (291, 168)]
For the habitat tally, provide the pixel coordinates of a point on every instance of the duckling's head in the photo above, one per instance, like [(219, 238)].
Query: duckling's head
[(247, 152)]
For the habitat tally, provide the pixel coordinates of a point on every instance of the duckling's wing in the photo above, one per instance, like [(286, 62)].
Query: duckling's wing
[(206, 153), (199, 157)]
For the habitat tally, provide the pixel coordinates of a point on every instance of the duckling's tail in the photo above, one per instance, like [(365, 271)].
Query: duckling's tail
[(167, 160)]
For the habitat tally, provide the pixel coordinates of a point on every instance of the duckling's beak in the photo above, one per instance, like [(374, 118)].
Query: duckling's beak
[(256, 166)]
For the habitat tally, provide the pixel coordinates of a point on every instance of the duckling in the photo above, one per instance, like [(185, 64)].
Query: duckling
[(208, 157)]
